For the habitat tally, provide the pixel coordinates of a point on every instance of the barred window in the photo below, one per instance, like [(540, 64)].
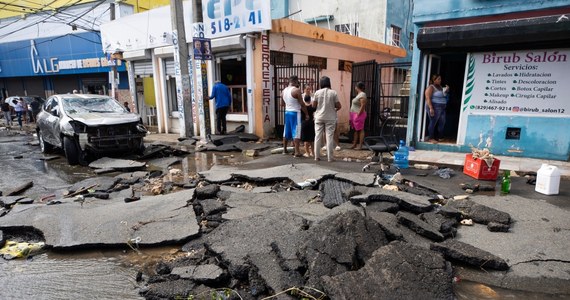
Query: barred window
[(349, 28), (396, 33), (320, 62), (278, 58)]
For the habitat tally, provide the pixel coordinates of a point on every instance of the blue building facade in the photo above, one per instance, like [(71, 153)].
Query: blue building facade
[(61, 64), (506, 64), (399, 16)]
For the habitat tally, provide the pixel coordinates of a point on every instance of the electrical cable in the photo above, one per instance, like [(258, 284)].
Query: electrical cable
[(51, 15)]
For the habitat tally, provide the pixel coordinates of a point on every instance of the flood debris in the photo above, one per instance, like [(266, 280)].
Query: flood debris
[(117, 164), (480, 213), (465, 253), (20, 188), (396, 271), (13, 249)]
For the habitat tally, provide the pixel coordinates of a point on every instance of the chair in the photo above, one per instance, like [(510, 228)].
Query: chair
[(386, 142)]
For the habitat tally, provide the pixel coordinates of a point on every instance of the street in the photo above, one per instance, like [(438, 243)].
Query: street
[(242, 207)]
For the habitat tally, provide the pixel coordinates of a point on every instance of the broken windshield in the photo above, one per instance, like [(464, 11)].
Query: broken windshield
[(88, 105)]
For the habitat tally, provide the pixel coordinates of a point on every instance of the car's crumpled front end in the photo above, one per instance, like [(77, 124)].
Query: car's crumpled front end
[(102, 138)]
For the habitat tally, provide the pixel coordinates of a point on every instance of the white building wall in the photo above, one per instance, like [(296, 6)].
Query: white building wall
[(340, 80), (370, 15), (48, 24)]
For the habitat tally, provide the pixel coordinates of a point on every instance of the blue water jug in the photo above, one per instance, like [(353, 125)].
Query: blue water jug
[(401, 156)]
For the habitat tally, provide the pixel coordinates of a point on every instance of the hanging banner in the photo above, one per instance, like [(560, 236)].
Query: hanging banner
[(523, 82), (230, 17)]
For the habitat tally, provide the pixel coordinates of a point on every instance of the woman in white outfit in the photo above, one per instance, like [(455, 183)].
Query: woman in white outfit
[(327, 104)]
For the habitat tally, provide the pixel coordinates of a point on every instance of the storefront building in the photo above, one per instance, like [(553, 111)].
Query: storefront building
[(245, 62), (57, 65), (506, 67)]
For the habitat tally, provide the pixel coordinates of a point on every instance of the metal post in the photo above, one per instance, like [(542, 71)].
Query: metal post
[(181, 69), (114, 66), (201, 74), (249, 81)]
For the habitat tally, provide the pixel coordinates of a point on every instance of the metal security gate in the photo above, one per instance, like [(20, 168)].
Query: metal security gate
[(307, 75), (388, 90)]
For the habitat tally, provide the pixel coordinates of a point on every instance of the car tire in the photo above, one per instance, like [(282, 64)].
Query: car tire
[(141, 148), (72, 151), (45, 147)]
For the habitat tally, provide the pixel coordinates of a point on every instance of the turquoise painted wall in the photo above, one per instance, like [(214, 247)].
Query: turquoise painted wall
[(399, 13), (540, 137), (279, 9), (435, 10)]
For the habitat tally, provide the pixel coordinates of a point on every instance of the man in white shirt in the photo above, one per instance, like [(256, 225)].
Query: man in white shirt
[(291, 97)]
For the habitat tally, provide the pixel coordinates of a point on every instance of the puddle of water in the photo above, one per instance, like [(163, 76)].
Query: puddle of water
[(79, 275), (467, 290)]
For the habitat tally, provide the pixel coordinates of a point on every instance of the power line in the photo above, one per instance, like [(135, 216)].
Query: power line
[(51, 15)]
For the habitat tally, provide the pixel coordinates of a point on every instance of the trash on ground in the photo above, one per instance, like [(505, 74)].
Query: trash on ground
[(307, 183), (390, 187), (444, 173), (467, 222), (14, 249)]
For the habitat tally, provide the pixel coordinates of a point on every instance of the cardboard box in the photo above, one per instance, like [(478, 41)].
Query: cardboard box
[(478, 169)]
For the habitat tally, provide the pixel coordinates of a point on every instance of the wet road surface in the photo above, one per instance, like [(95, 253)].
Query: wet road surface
[(111, 274)]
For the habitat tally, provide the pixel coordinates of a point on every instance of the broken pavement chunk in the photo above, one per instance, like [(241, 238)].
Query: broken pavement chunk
[(20, 189), (459, 251), (117, 164), (419, 226)]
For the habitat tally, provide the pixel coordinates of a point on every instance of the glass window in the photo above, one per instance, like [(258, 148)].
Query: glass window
[(411, 41), (349, 28), (396, 33), (238, 99)]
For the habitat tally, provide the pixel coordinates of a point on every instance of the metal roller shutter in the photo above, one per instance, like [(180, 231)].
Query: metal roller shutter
[(143, 68), (169, 64)]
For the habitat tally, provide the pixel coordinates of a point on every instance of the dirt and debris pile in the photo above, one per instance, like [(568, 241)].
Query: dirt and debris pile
[(254, 245)]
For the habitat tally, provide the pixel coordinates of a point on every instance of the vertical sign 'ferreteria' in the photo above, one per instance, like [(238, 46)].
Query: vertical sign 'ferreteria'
[(231, 17)]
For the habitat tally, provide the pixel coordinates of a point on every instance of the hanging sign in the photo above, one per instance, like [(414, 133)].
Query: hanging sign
[(230, 17), (522, 82)]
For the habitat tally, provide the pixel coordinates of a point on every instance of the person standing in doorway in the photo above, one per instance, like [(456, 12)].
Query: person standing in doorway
[(223, 99), (291, 97), (327, 104), (358, 116), (436, 102)]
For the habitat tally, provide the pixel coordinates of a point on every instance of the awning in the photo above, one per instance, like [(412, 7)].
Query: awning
[(538, 32)]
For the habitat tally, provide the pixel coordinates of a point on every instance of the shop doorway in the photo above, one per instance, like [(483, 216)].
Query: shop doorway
[(233, 74), (451, 67)]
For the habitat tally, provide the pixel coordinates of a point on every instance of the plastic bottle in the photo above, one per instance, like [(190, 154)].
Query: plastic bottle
[(548, 180), (506, 183), (401, 156)]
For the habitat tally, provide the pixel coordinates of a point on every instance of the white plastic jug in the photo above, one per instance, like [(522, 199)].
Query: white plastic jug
[(547, 180)]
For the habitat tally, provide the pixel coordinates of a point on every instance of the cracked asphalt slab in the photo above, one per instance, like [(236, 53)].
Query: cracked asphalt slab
[(154, 220), (533, 248)]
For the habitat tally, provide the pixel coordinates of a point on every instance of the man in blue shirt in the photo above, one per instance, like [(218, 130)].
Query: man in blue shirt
[(223, 98)]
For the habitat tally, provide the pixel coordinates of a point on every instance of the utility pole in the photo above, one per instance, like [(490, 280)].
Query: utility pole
[(200, 73), (181, 62), (114, 66)]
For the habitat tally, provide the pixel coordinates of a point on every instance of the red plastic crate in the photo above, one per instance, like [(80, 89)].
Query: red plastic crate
[(478, 169)]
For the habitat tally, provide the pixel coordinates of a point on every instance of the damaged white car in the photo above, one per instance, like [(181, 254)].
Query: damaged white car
[(88, 124)]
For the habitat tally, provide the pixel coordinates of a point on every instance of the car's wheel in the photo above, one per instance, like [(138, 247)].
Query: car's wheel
[(72, 151), (45, 147), (141, 148)]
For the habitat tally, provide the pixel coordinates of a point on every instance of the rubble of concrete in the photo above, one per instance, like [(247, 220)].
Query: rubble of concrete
[(293, 229), (283, 238)]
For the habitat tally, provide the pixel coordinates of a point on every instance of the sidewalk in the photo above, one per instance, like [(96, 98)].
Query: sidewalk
[(517, 164)]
